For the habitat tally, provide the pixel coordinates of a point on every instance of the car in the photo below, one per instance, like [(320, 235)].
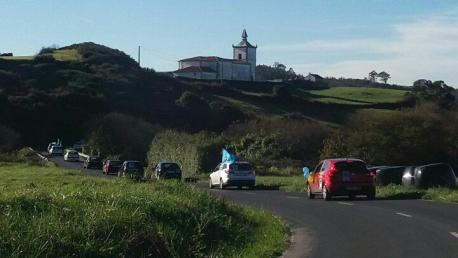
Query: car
[(78, 146), (431, 175), (238, 173), (132, 169), (56, 150), (389, 175), (167, 170), (341, 177), (71, 155), (111, 166), (92, 162)]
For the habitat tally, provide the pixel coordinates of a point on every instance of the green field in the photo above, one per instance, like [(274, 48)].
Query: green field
[(357, 95), (18, 58), (53, 212), (59, 54)]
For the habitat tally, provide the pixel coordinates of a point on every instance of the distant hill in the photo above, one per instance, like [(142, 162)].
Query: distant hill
[(60, 92)]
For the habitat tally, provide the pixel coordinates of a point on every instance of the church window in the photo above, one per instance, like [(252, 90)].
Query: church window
[(240, 56)]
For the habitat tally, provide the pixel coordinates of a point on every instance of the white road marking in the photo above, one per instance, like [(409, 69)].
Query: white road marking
[(345, 203), (454, 234), (403, 214), (292, 197)]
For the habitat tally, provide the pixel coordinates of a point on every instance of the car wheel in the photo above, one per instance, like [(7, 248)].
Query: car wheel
[(221, 186), (210, 185), (252, 187), (371, 195), (351, 196), (326, 194), (310, 195)]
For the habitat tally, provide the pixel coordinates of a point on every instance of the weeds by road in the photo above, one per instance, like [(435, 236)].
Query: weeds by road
[(390, 192), (49, 211)]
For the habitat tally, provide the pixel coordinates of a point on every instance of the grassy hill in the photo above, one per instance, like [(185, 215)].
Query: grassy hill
[(54, 212), (83, 81), (58, 54), (357, 96)]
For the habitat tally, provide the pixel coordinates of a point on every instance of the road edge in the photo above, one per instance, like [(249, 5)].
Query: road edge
[(300, 244)]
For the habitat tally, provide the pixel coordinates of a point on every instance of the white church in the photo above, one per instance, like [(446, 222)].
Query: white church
[(241, 67)]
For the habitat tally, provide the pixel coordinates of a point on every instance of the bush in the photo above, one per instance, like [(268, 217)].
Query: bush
[(46, 58), (272, 141), (25, 156), (195, 153), (121, 135), (9, 139), (421, 135)]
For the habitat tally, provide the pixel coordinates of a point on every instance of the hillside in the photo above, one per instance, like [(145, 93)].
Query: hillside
[(65, 90)]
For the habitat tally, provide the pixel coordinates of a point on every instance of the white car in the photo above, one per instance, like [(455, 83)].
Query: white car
[(71, 155), (56, 150), (238, 174)]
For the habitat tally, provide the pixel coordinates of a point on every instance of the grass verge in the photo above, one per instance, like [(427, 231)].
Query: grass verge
[(390, 192), (53, 212)]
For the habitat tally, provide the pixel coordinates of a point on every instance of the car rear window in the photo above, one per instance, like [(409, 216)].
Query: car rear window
[(351, 166), (132, 165), (240, 167), (115, 162), (169, 166)]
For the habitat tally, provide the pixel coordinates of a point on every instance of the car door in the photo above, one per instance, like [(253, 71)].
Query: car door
[(315, 178), (214, 175), (321, 176)]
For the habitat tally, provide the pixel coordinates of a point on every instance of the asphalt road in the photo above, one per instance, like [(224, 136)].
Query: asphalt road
[(351, 228)]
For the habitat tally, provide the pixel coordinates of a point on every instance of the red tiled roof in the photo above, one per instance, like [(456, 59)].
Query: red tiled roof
[(206, 58), (195, 69)]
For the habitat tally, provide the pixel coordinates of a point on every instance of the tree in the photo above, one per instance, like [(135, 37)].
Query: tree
[(438, 91), (384, 76), (372, 76)]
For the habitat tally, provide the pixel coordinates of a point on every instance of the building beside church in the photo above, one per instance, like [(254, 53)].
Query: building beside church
[(241, 67)]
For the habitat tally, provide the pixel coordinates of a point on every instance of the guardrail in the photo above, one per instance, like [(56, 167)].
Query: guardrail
[(38, 154)]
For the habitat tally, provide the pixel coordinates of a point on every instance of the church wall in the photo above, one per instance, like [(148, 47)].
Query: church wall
[(238, 51)]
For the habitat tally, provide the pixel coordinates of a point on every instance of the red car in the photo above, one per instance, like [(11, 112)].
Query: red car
[(337, 177)]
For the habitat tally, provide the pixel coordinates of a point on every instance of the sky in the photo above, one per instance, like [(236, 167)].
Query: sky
[(409, 39)]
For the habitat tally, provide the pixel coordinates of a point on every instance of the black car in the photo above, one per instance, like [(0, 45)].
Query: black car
[(93, 162), (132, 169), (111, 166), (166, 170)]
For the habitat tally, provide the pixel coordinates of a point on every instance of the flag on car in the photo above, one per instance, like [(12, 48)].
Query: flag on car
[(227, 156)]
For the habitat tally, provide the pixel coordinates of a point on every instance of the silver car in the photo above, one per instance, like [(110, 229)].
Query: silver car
[(238, 174)]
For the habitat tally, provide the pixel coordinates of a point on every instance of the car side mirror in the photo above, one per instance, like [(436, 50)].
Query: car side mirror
[(306, 172)]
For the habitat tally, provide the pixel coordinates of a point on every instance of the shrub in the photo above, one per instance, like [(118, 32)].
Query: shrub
[(46, 58), (9, 139), (271, 141), (195, 153), (122, 135), (421, 135)]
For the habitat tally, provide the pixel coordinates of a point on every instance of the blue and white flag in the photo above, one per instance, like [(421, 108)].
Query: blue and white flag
[(228, 157)]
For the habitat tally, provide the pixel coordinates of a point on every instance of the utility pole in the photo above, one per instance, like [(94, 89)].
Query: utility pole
[(139, 55)]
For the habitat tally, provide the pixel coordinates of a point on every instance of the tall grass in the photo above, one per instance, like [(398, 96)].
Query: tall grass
[(59, 213)]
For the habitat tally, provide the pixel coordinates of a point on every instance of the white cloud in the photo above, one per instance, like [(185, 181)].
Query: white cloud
[(426, 48)]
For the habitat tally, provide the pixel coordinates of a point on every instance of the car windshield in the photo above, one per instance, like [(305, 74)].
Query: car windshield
[(94, 159), (57, 148), (115, 163), (169, 166), (132, 164), (351, 166), (240, 167), (73, 153)]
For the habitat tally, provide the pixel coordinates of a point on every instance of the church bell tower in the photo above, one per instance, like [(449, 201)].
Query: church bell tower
[(245, 52)]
